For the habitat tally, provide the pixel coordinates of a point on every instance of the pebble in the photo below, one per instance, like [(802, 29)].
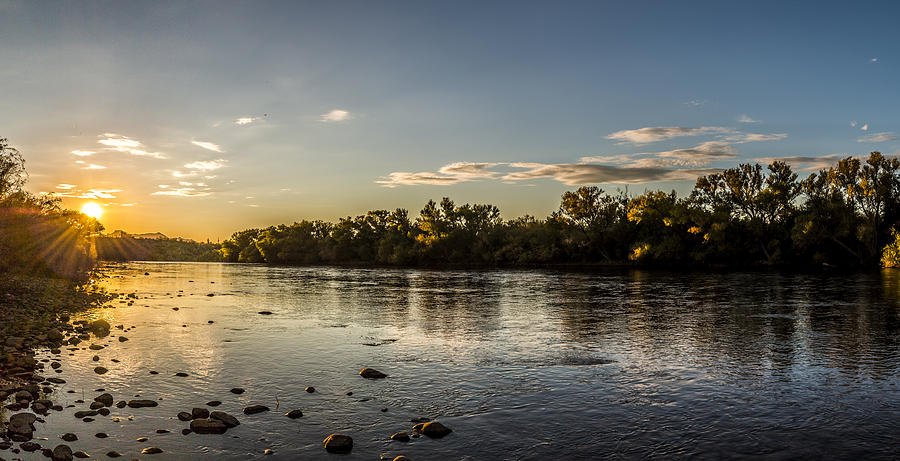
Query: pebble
[(69, 437), (100, 370), (310, 389)]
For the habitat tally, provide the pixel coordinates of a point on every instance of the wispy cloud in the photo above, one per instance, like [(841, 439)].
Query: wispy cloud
[(72, 191), (754, 137), (125, 144), (208, 146), (700, 155), (94, 167), (746, 119), (66, 186), (853, 123), (660, 133), (452, 173), (205, 165), (246, 120), (83, 153), (336, 115), (182, 191), (806, 163), (695, 102), (865, 127), (572, 174), (873, 60), (884, 136)]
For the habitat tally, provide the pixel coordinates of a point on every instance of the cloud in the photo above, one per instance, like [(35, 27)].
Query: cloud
[(245, 120), (659, 133), (205, 165), (853, 123), (71, 191), (183, 191), (806, 163), (448, 174), (83, 153), (873, 60), (695, 103), (865, 127), (878, 137), (336, 115), (124, 144), (702, 154), (208, 146), (66, 186), (746, 119), (572, 174), (94, 167), (753, 137)]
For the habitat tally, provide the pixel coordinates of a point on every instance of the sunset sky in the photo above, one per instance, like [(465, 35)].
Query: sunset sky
[(199, 120)]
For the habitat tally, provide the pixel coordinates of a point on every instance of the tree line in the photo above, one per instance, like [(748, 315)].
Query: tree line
[(749, 215)]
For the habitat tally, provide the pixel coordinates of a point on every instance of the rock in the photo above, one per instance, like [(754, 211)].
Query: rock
[(101, 435), (400, 437), (29, 446), (265, 313), (96, 405), (208, 426), (113, 454), (96, 358), (69, 437), (153, 372), (100, 327), (54, 335), (54, 365), (162, 431), (85, 413), (62, 453), (142, 403), (213, 403), (338, 443), (21, 426), (103, 412), (268, 451), (121, 404), (371, 373), (151, 451), (184, 416), (432, 429), (402, 458), (122, 339), (186, 431), (384, 409), (310, 389), (56, 380), (100, 370), (81, 454), (23, 395), (237, 390), (105, 399), (181, 374), (141, 439), (294, 414), (88, 420), (199, 413), (253, 409), (230, 421)]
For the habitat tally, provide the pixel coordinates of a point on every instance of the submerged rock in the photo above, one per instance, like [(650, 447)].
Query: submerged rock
[(338, 443), (371, 373), (229, 420), (400, 437), (310, 389), (237, 390), (432, 429), (253, 409), (294, 414), (208, 426), (100, 327), (184, 416), (142, 403), (151, 451)]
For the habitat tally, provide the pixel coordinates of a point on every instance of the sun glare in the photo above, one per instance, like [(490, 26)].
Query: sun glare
[(92, 209)]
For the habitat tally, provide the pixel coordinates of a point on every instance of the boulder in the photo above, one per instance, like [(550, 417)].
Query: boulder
[(371, 373), (338, 443), (54, 335), (230, 421), (62, 452), (208, 426), (100, 327), (199, 413), (105, 399), (432, 429), (21, 426)]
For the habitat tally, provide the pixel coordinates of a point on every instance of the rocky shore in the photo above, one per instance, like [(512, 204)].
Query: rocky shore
[(37, 314)]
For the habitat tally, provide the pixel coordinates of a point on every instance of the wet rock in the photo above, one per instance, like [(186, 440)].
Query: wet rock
[(230, 421), (21, 426), (96, 405), (101, 435), (62, 453), (338, 443), (85, 413), (402, 458), (384, 409), (162, 431), (100, 327), (265, 313), (184, 416), (371, 373), (88, 420), (121, 404), (113, 454), (122, 339), (153, 372), (141, 439), (268, 451), (181, 374), (96, 358), (208, 426), (100, 370), (103, 412), (81, 454), (400, 437), (151, 451), (105, 399), (213, 403), (199, 413), (54, 365), (69, 437), (237, 390), (54, 335), (56, 380), (432, 429), (294, 414), (186, 431), (30, 446), (310, 389), (23, 395), (253, 409), (142, 403)]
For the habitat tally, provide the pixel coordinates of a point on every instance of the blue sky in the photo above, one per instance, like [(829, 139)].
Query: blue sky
[(353, 106)]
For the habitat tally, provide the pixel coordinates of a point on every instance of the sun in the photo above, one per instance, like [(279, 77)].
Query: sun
[(92, 209)]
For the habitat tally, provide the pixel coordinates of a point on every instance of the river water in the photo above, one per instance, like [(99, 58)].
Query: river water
[(520, 365)]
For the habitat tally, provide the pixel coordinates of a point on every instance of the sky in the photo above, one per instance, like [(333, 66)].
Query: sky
[(198, 119)]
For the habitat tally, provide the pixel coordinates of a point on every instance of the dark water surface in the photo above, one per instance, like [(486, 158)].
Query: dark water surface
[(520, 364)]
